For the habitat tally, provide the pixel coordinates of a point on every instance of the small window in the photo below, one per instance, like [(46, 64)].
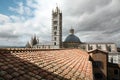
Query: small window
[(111, 60), (90, 47), (116, 72), (109, 48), (55, 22), (55, 15), (55, 33), (54, 43)]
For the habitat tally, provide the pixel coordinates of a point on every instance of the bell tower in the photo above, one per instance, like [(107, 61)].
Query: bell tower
[(57, 28)]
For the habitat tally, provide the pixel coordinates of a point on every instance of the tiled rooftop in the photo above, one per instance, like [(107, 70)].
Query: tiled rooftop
[(69, 64)]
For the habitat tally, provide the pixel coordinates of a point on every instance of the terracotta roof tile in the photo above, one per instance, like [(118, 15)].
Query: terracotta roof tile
[(71, 64)]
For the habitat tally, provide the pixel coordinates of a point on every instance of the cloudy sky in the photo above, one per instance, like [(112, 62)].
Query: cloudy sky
[(93, 20)]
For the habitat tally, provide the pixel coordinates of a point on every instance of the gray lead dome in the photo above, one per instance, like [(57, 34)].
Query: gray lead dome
[(72, 38)]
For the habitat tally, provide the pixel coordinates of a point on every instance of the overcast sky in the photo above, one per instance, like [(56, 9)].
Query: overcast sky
[(93, 20)]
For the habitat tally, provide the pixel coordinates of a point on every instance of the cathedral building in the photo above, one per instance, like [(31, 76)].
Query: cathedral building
[(71, 41)]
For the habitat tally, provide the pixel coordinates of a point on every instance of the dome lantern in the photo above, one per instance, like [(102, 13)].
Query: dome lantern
[(71, 31)]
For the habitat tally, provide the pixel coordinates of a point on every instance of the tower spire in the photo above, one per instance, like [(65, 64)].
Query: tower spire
[(57, 8)]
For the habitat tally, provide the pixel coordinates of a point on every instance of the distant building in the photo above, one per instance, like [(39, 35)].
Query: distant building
[(34, 40), (71, 41)]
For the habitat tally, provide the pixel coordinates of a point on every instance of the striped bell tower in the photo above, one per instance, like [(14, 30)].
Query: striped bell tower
[(57, 28)]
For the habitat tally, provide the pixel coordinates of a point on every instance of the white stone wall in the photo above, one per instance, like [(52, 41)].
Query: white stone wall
[(101, 46), (46, 47), (115, 58), (43, 46), (113, 47)]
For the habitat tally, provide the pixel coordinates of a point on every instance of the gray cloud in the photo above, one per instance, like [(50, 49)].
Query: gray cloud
[(93, 20), (79, 7), (8, 35)]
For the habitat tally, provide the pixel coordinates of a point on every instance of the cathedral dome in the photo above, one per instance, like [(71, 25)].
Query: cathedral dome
[(72, 37)]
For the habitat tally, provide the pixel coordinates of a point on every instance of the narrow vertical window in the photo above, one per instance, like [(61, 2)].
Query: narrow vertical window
[(55, 33), (54, 43), (109, 48)]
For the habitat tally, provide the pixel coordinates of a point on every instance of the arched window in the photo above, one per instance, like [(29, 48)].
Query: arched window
[(54, 43), (55, 22), (55, 33)]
